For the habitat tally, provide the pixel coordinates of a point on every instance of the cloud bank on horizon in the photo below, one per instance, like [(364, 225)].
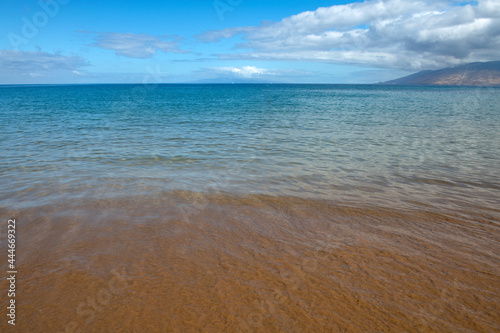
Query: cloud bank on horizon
[(390, 35)]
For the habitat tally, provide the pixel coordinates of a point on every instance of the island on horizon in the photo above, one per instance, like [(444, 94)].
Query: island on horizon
[(471, 74)]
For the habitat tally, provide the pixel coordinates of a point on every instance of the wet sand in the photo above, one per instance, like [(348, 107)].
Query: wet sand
[(191, 262)]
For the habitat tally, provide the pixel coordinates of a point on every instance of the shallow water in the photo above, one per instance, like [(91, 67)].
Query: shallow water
[(252, 208)]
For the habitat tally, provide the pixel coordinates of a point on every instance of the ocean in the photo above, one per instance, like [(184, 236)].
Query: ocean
[(273, 208)]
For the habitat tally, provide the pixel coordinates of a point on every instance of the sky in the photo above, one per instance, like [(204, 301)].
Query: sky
[(234, 41)]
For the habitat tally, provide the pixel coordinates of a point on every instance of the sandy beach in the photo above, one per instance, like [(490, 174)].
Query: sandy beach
[(253, 264)]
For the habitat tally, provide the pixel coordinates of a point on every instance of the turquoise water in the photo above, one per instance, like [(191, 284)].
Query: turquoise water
[(407, 147)]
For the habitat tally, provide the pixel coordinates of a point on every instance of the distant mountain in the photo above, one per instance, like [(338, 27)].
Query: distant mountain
[(473, 74)]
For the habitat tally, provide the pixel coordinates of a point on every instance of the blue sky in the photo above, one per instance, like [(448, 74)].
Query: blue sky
[(292, 41)]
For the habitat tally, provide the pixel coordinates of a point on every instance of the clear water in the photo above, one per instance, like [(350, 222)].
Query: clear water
[(389, 146), (252, 208)]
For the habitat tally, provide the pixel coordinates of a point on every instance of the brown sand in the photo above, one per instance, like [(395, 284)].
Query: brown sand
[(186, 262)]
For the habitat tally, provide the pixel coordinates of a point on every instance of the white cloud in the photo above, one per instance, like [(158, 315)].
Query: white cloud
[(216, 35), (36, 63), (252, 74), (399, 34), (137, 45), (245, 71)]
